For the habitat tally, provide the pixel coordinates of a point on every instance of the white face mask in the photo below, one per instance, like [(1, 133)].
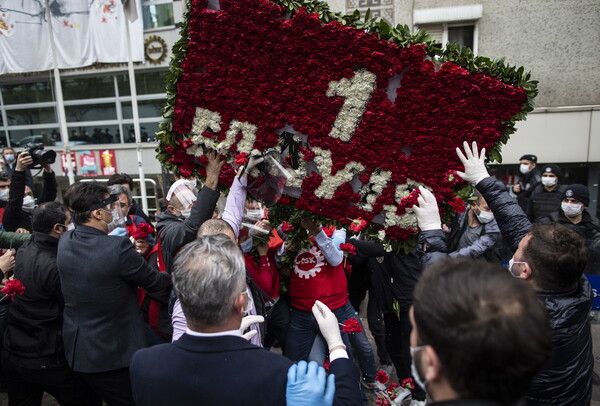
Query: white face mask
[(71, 226), (511, 262), (9, 158), (524, 169), (484, 217), (186, 213), (4, 195), (413, 367), (255, 214), (548, 181), (571, 209), (28, 204)]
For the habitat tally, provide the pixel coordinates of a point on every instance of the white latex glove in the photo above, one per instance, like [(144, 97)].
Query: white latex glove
[(252, 162), (247, 321), (474, 163), (328, 325), (428, 214)]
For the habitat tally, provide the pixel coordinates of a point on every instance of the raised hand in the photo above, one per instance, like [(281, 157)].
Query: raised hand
[(474, 163), (428, 213)]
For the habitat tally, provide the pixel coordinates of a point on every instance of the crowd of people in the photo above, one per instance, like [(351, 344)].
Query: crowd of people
[(103, 305)]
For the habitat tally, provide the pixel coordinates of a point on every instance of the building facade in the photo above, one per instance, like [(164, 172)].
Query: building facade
[(558, 41)]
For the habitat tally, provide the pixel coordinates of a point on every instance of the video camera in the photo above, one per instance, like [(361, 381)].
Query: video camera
[(39, 155)]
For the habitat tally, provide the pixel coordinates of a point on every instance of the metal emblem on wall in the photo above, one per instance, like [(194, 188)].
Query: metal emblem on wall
[(155, 49)]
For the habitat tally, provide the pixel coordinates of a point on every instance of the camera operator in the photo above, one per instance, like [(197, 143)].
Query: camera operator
[(17, 215), (10, 162)]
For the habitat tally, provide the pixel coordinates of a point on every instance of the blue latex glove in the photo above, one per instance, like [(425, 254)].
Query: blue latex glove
[(119, 232), (309, 385)]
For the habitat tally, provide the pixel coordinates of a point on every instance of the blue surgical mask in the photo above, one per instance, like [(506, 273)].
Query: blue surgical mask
[(9, 158), (246, 246)]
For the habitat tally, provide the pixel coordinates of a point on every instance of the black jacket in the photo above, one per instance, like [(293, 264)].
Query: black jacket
[(544, 202), (99, 276), (395, 275), (34, 331), (566, 378), (175, 232), (528, 183), (14, 216)]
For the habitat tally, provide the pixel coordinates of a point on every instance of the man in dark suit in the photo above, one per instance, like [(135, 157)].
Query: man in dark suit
[(211, 364), (99, 276)]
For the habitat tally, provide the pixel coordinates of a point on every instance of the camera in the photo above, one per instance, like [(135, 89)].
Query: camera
[(39, 155)]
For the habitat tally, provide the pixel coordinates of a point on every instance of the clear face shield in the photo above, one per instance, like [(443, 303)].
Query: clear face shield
[(182, 192)]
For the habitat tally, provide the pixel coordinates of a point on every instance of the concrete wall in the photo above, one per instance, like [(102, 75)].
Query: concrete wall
[(557, 40)]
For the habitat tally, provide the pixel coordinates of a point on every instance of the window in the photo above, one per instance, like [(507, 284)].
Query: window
[(460, 34), (36, 92), (157, 13), (98, 109), (451, 24)]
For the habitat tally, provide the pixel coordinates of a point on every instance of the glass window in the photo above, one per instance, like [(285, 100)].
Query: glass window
[(47, 136), (91, 112), (462, 36), (157, 14), (107, 134), (88, 88), (31, 116), (145, 83), (146, 109), (147, 132), (27, 93)]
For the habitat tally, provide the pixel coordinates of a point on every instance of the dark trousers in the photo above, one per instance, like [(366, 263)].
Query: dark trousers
[(277, 323), (114, 387), (397, 340), (26, 386)]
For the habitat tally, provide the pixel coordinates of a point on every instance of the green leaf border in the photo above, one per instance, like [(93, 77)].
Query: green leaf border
[(401, 36)]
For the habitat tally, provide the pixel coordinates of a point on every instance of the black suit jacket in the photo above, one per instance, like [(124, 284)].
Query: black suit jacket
[(99, 276), (225, 370)]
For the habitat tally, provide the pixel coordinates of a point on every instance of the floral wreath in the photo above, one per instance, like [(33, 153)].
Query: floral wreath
[(358, 112)]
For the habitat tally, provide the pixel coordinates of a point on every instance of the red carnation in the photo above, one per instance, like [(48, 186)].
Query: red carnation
[(349, 248), (351, 326), (391, 387), (408, 383), (241, 159), (382, 377), (358, 224), (12, 288), (326, 365), (203, 160), (142, 231), (286, 227)]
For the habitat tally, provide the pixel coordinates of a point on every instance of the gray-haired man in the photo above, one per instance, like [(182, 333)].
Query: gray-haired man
[(211, 357)]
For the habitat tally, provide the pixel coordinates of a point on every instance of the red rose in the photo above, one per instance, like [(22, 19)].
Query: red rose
[(351, 326), (382, 377), (358, 224), (349, 248), (241, 159), (12, 288), (286, 227)]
